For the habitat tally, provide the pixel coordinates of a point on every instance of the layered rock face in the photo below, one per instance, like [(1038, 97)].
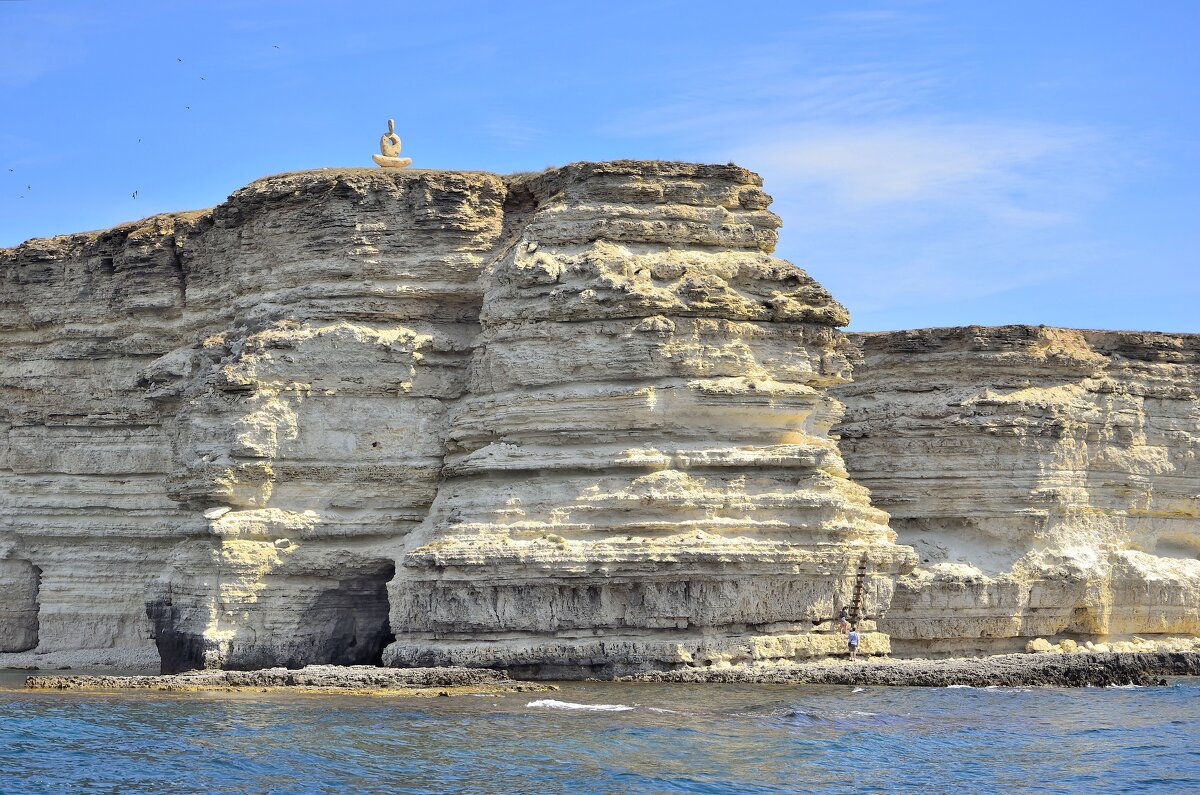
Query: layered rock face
[(84, 453), (1048, 478), (572, 421), (641, 473), (215, 424)]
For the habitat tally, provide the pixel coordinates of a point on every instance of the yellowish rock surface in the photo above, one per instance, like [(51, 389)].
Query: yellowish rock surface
[(1048, 478), (569, 423)]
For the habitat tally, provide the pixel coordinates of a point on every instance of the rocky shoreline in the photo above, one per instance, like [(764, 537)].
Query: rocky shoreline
[(1083, 669), (1004, 670), (360, 679)]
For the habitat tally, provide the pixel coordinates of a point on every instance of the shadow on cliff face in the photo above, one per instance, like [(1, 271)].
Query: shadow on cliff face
[(20, 585), (177, 650), (345, 624), (348, 625)]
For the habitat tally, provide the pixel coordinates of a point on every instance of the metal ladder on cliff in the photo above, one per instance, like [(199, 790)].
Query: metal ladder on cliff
[(859, 586)]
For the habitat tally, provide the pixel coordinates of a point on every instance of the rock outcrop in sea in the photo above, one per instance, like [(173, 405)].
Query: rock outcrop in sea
[(569, 423)]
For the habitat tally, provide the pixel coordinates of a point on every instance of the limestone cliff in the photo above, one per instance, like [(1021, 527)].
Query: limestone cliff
[(572, 420), (563, 423), (641, 473), (1048, 478)]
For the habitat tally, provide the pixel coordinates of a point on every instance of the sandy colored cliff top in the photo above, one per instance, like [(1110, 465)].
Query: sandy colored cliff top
[(364, 178), (1034, 340)]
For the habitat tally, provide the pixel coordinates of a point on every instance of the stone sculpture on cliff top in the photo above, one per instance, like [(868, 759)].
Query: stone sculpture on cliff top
[(389, 149)]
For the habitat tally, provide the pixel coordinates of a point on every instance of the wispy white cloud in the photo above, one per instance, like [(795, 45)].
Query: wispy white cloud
[(512, 132), (765, 96), (877, 16), (895, 191), (926, 212), (1018, 173)]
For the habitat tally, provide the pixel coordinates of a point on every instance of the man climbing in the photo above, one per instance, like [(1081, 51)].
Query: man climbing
[(843, 620)]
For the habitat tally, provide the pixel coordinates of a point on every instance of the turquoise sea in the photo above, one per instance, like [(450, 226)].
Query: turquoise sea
[(604, 737)]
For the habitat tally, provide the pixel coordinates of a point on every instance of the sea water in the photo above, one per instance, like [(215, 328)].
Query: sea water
[(605, 737)]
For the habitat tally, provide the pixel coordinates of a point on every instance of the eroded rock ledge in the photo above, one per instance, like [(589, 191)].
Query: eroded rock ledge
[(1002, 670), (311, 679)]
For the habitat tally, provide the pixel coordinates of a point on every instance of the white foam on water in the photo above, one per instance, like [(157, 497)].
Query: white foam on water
[(660, 709), (857, 690), (1124, 687), (550, 703), (970, 687)]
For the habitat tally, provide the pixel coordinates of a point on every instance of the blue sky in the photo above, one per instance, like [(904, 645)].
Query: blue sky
[(934, 163)]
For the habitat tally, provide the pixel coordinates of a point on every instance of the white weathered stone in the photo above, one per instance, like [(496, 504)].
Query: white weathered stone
[(1061, 465), (576, 419), (389, 149), (571, 422)]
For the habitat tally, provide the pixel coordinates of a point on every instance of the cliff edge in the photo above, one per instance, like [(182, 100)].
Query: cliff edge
[(572, 423), (563, 423)]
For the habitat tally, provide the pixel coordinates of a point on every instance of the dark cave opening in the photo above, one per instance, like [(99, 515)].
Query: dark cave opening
[(343, 621), (349, 623)]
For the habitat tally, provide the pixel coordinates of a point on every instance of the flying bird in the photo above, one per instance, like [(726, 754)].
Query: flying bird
[(202, 78), (135, 194), (276, 46)]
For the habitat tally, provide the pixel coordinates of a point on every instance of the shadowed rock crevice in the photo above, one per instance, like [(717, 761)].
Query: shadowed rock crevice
[(177, 650), (299, 620), (20, 583), (349, 624)]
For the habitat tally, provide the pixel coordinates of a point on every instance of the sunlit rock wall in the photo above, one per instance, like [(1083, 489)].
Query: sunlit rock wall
[(223, 431), (1048, 479), (217, 424), (641, 474), (575, 422)]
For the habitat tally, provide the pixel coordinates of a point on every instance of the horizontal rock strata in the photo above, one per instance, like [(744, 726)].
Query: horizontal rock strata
[(1048, 478), (566, 421), (571, 423), (641, 472)]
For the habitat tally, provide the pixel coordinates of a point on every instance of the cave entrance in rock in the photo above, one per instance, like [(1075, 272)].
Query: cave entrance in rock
[(350, 621), (20, 584)]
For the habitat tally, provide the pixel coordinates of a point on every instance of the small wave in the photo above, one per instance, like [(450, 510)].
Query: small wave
[(1124, 687), (660, 709), (970, 687), (858, 690), (550, 703), (864, 714)]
